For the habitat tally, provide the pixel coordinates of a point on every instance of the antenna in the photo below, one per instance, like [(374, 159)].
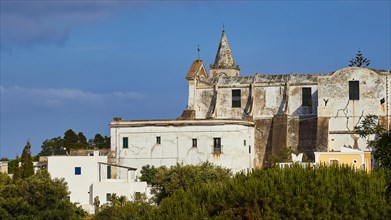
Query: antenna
[(223, 27), (198, 49)]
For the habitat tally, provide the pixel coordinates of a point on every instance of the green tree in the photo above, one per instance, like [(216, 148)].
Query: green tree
[(289, 193), (123, 209), (13, 165), (26, 168), (82, 140), (54, 146), (37, 197), (101, 142), (382, 141), (359, 60), (148, 173), (168, 180), (71, 140)]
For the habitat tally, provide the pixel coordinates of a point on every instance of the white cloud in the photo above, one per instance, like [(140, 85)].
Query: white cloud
[(64, 97), (27, 23)]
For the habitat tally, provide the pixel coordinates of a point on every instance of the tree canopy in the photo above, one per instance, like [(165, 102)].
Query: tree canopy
[(333, 192), (166, 181), (36, 197), (26, 168), (359, 60), (382, 141), (72, 140)]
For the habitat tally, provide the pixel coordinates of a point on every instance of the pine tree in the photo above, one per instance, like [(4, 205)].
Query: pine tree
[(26, 168), (359, 60)]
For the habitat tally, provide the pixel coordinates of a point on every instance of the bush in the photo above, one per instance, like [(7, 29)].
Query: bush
[(290, 193)]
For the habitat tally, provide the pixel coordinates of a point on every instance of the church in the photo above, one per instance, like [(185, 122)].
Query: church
[(239, 122)]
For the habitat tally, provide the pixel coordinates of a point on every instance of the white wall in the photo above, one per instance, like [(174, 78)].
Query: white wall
[(79, 185), (343, 113), (127, 189), (176, 144)]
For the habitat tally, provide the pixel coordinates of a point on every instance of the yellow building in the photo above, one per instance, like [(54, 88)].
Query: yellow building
[(347, 156)]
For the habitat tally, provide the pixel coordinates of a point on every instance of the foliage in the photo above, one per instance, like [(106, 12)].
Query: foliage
[(54, 146), (382, 142), (289, 193), (383, 150), (167, 180), (13, 165), (26, 168), (101, 142), (359, 60), (148, 173), (71, 140), (36, 197), (123, 209)]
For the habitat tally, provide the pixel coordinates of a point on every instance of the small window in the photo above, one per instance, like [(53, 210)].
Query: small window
[(158, 140), (108, 197), (354, 90), (306, 96), (236, 98), (217, 145), (194, 142), (125, 142), (108, 172), (244, 142), (77, 170)]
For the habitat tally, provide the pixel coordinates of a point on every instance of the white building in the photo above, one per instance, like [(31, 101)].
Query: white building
[(227, 143), (89, 177)]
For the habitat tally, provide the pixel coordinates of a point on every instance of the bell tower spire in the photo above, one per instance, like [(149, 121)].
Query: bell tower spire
[(224, 63)]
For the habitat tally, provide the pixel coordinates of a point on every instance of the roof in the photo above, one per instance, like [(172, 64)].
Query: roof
[(224, 57), (136, 123), (197, 69)]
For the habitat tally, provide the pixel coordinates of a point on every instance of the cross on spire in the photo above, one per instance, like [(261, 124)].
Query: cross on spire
[(198, 49)]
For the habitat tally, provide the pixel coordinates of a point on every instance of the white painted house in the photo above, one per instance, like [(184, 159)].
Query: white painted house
[(227, 143), (89, 177)]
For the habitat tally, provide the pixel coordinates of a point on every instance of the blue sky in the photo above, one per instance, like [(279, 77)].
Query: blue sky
[(78, 64)]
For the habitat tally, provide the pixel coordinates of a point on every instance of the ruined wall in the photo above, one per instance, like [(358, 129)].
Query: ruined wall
[(322, 136), (302, 132), (270, 95), (344, 114), (262, 142), (279, 133)]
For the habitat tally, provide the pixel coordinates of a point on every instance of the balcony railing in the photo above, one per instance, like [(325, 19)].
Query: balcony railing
[(217, 149)]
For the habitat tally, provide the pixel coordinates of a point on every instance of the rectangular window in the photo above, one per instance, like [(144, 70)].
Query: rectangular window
[(306, 96), (158, 140), (217, 145), (236, 98), (354, 90), (108, 172), (77, 170), (108, 197), (244, 142), (125, 142), (194, 142)]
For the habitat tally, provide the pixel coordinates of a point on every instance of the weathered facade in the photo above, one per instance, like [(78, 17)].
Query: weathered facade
[(308, 112)]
